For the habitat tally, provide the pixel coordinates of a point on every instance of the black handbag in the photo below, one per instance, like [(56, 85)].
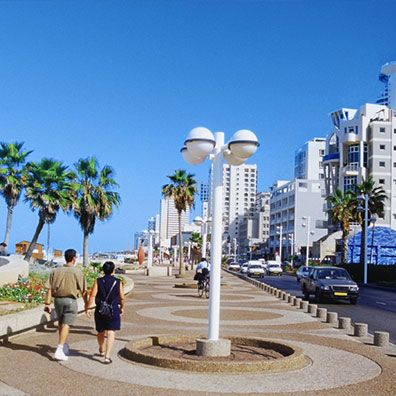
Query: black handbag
[(105, 309)]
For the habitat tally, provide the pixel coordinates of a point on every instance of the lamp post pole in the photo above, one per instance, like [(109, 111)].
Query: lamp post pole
[(280, 228), (308, 225), (365, 236), (235, 249), (150, 249), (200, 144), (204, 237)]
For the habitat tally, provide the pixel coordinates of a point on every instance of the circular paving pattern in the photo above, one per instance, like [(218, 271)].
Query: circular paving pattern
[(227, 314), (284, 316), (341, 368)]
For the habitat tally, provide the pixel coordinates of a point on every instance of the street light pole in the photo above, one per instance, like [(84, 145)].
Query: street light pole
[(365, 236), (199, 145), (308, 225), (280, 228)]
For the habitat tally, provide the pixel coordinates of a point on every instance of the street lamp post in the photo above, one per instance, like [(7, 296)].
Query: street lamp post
[(364, 198), (309, 232), (203, 223), (235, 248), (199, 145), (280, 231)]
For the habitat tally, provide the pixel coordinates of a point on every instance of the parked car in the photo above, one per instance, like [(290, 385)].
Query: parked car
[(243, 269), (255, 270), (330, 283), (234, 266), (302, 272), (274, 269)]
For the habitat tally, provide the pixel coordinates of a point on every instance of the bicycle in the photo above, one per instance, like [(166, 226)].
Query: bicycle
[(203, 287)]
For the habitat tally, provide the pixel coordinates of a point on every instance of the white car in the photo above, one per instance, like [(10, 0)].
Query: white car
[(243, 269), (255, 270), (274, 269), (234, 266)]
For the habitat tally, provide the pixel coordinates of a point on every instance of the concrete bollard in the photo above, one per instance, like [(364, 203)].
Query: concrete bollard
[(381, 338), (321, 313), (332, 317), (279, 293), (344, 323), (297, 302), (285, 296), (304, 305), (360, 329), (312, 309), (290, 299)]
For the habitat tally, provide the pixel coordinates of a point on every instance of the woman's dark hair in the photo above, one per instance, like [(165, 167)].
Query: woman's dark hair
[(108, 267)]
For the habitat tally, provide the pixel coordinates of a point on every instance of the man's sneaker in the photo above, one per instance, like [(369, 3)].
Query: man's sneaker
[(60, 355), (66, 349)]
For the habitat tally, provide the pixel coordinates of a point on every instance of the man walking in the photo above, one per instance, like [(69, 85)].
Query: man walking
[(65, 284)]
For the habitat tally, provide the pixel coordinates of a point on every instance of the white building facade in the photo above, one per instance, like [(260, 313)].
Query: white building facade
[(296, 213), (169, 221), (362, 144), (239, 198), (308, 160)]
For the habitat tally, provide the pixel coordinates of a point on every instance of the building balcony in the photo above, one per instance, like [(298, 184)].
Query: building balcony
[(351, 169), (351, 138), (335, 157)]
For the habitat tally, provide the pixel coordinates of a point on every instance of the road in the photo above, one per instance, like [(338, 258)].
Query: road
[(375, 307)]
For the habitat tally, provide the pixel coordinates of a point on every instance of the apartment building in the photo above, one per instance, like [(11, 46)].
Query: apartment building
[(296, 213), (239, 198), (262, 216), (362, 144), (169, 221), (308, 160)]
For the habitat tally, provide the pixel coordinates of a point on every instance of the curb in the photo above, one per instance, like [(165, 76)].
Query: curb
[(331, 317), (19, 322)]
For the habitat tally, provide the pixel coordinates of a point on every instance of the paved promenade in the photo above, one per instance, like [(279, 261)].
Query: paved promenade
[(340, 363)]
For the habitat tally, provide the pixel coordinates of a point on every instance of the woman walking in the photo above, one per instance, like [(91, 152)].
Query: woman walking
[(109, 289)]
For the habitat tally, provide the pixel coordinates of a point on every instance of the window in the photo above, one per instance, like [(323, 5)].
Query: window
[(394, 147), (394, 164), (394, 131), (382, 130), (382, 146), (353, 154), (382, 164), (350, 183), (381, 181)]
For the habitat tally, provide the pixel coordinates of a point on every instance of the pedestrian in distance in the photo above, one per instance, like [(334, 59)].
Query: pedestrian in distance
[(110, 289), (202, 271), (3, 249), (65, 284)]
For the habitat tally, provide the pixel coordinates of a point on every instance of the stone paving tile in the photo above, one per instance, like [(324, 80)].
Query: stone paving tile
[(341, 364)]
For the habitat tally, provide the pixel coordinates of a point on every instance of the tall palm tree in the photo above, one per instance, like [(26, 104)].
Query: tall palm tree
[(182, 191), (95, 197), (49, 188), (12, 159), (342, 212), (376, 203)]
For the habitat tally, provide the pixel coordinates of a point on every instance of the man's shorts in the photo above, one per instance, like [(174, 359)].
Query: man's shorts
[(66, 310)]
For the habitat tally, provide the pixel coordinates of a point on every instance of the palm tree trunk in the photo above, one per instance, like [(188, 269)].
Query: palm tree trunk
[(344, 246), (181, 266), (85, 250), (32, 245), (10, 210)]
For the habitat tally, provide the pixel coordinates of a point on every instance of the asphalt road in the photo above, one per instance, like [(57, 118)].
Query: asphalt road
[(375, 307)]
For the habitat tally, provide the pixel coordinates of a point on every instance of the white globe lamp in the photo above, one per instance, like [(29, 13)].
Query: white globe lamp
[(200, 142), (190, 159), (232, 159), (243, 143)]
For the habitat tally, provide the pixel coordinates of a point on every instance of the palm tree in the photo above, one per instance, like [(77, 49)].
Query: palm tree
[(376, 204), (95, 197), (196, 241), (49, 188), (181, 190), (342, 212), (12, 159)]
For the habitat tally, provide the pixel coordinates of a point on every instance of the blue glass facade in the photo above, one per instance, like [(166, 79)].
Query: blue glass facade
[(381, 246)]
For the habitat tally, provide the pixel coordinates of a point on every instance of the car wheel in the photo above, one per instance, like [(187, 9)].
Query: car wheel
[(318, 297), (353, 301), (306, 294)]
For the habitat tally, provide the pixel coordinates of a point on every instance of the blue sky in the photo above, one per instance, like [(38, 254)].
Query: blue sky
[(127, 80)]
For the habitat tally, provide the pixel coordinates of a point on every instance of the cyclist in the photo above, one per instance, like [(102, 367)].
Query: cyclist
[(202, 272)]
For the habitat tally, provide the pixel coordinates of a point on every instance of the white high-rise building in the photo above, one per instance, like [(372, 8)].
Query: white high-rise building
[(239, 197), (362, 144), (308, 160), (169, 221), (388, 77), (262, 216)]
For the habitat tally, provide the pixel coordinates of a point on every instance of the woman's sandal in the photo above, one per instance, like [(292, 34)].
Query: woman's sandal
[(107, 360), (101, 353)]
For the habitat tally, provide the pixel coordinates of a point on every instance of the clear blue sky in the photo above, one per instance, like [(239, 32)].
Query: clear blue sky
[(127, 80)]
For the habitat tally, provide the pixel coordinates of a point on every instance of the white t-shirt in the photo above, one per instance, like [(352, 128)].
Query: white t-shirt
[(203, 264)]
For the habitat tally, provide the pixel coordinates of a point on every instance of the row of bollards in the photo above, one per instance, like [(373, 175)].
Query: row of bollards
[(381, 338)]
